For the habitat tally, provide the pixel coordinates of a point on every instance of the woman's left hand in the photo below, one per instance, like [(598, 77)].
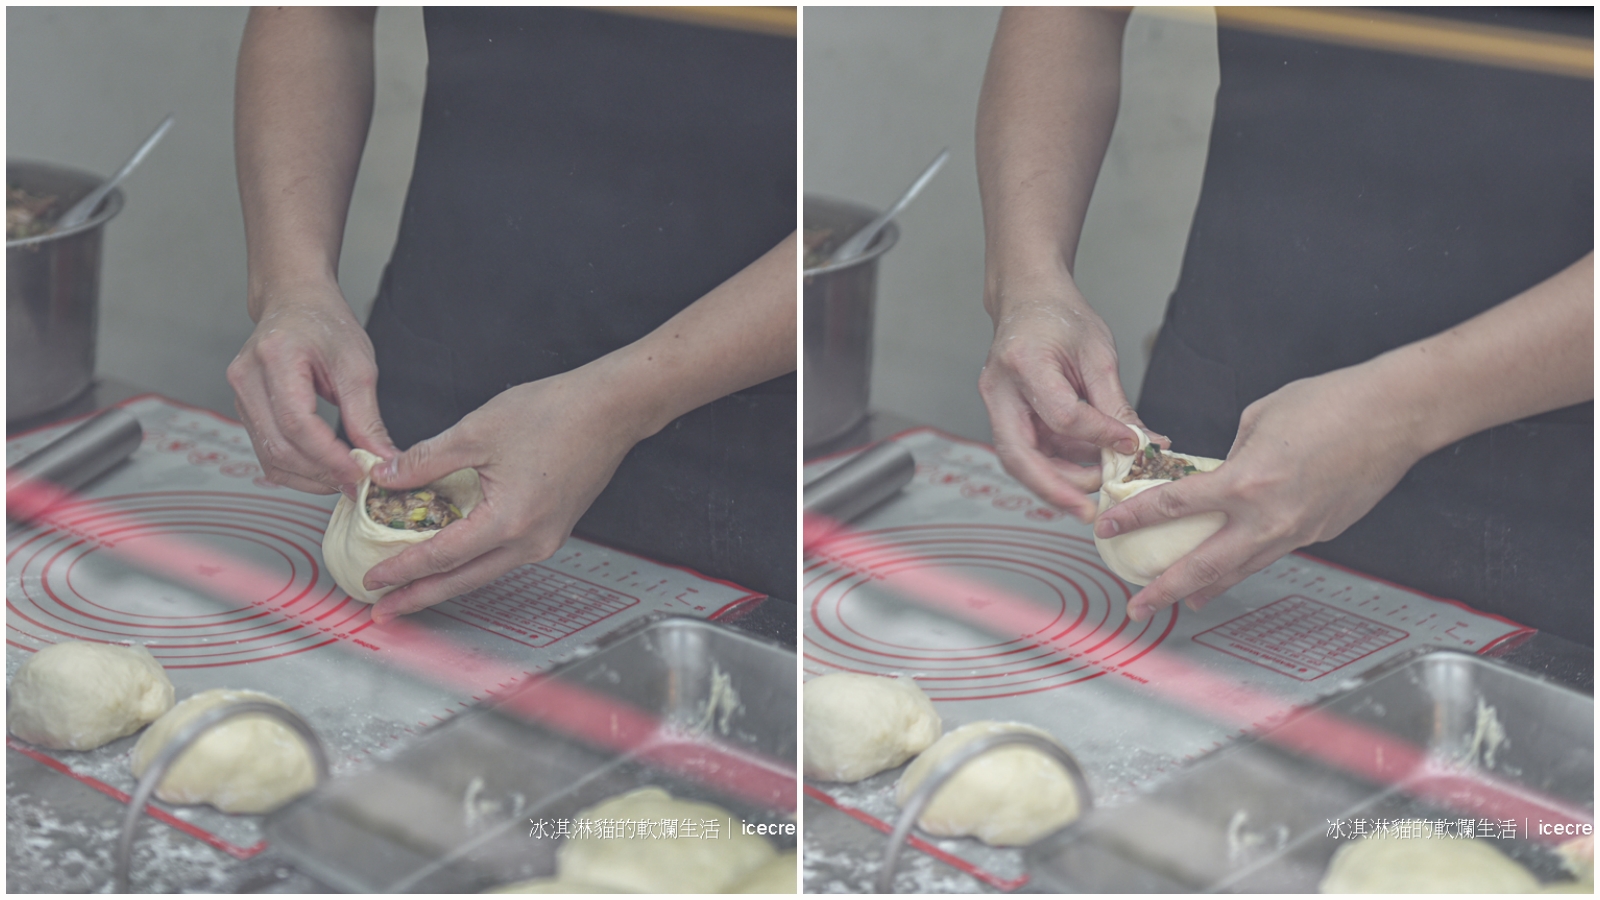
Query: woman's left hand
[(1317, 454), (1309, 460), (543, 450)]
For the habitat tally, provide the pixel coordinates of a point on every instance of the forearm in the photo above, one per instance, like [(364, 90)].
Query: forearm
[(1045, 116), (303, 101), (1531, 354), (740, 334)]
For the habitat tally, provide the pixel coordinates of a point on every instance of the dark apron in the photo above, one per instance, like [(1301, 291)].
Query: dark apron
[(1355, 201), (580, 177)]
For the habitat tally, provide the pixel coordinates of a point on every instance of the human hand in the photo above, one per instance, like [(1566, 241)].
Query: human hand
[(1310, 459), (1054, 397), (308, 344), (543, 450)]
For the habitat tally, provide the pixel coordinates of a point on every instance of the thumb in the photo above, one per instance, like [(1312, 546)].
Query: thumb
[(427, 461), (1191, 494)]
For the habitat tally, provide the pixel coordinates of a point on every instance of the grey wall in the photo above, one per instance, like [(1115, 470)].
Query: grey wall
[(85, 85), (885, 88)]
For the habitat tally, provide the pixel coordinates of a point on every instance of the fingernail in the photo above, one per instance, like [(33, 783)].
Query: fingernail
[(1195, 604), (1107, 528), (373, 585), (384, 470), (349, 490), (1127, 445), (1137, 613)]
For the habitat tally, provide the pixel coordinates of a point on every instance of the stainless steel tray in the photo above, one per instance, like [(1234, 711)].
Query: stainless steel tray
[(453, 812), (1260, 817)]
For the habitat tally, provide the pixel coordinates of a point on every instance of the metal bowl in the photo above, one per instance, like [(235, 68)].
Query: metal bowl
[(839, 302), (53, 295)]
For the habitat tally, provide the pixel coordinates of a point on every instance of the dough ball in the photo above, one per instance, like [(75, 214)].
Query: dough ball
[(661, 865), (1139, 557), (1009, 796), (353, 543), (779, 876), (77, 695), (549, 886), (860, 725), (249, 764), (1424, 865)]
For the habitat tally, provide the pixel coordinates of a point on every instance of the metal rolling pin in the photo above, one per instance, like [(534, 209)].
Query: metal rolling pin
[(70, 461), (849, 491)]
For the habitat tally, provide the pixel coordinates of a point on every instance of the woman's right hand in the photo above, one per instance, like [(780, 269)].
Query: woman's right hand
[(303, 101), (1049, 102), (1054, 395), (308, 344)]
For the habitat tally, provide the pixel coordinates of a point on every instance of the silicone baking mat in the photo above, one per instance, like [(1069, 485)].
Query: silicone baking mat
[(188, 550), (1001, 608)]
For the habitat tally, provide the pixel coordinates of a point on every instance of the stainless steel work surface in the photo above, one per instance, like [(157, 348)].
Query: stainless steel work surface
[(478, 802), (186, 549), (1497, 752), (1001, 608)]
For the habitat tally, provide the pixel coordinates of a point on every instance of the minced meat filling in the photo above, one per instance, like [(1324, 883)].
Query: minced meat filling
[(817, 246), (1153, 464), (27, 214), (418, 510)]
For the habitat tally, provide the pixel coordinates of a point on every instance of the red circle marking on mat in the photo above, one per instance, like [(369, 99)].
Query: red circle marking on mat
[(1075, 605), (893, 576), (54, 597)]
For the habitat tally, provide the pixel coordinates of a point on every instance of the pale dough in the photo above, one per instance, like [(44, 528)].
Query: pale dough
[(353, 543), (860, 725), (550, 886), (249, 764), (77, 695), (1140, 556), (661, 865), (779, 876), (1009, 796), (1424, 865)]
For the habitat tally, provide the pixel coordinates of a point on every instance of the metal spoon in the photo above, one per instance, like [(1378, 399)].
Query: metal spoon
[(83, 209), (861, 240)]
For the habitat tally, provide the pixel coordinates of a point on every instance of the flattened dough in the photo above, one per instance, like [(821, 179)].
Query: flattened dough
[(353, 543), (77, 695), (549, 886), (1007, 797), (779, 876), (1139, 557), (1424, 865), (658, 865), (250, 764), (859, 725)]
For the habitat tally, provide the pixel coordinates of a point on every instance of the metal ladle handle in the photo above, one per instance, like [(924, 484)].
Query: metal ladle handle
[(884, 883), (182, 741), (84, 208), (858, 243)]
